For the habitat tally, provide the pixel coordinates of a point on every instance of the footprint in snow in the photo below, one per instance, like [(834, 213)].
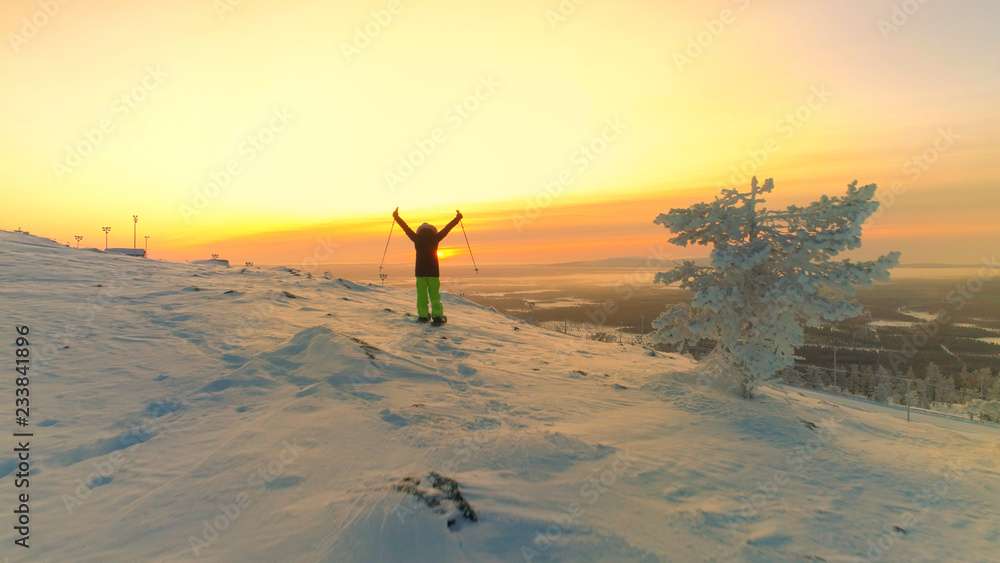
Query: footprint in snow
[(100, 481), (285, 482), (394, 419)]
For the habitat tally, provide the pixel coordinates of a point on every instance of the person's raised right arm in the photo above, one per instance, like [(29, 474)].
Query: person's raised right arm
[(406, 228)]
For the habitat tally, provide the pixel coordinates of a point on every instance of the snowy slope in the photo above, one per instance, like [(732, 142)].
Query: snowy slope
[(193, 413)]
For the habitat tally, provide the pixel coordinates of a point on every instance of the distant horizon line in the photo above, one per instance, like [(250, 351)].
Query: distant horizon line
[(593, 262)]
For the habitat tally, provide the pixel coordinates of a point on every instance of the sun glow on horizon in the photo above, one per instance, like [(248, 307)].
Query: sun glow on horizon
[(444, 253)]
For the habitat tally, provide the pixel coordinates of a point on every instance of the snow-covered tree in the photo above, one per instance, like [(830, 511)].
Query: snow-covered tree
[(923, 394), (868, 381), (816, 377), (961, 378), (979, 382), (994, 392), (771, 273), (949, 391), (882, 387), (791, 376), (854, 381), (909, 398), (935, 382)]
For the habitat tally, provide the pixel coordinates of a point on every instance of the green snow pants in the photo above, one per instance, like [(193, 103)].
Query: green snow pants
[(432, 285)]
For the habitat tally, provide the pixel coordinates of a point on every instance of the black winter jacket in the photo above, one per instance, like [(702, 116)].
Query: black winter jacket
[(425, 242)]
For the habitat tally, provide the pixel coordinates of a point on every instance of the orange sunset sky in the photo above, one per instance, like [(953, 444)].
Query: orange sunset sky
[(561, 129)]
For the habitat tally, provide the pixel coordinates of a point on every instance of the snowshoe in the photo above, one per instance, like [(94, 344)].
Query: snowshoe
[(423, 319), (440, 320)]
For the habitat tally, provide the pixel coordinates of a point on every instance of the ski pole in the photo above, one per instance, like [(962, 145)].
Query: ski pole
[(391, 227), (467, 244)]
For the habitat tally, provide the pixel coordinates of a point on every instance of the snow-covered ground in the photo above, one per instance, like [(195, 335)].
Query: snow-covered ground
[(188, 412)]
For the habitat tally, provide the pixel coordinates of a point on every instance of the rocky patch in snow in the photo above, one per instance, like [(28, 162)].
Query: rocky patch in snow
[(441, 495)]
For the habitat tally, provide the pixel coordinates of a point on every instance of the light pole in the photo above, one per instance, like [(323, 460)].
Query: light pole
[(834, 365), (146, 250), (105, 229), (78, 239), (135, 223), (907, 400)]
